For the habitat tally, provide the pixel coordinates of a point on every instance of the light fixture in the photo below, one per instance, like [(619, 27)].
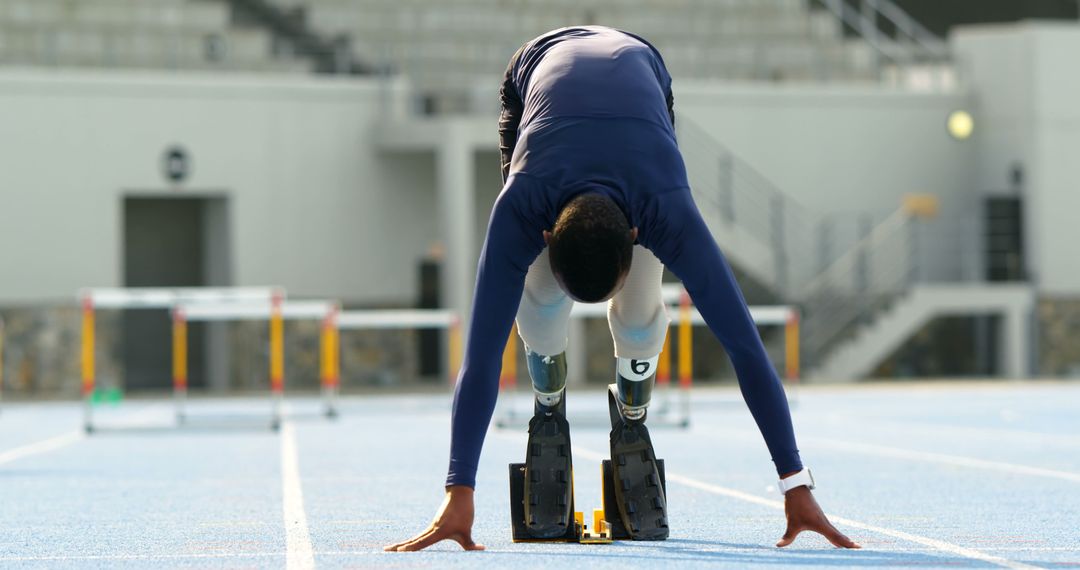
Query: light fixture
[(960, 125)]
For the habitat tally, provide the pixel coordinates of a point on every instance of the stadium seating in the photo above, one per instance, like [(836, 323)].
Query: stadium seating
[(170, 34), (447, 46)]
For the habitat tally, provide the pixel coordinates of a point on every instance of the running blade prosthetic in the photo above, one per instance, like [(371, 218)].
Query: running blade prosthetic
[(639, 492), (549, 481)]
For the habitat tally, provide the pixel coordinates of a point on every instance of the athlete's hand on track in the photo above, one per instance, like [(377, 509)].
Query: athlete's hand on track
[(803, 513), (453, 521)]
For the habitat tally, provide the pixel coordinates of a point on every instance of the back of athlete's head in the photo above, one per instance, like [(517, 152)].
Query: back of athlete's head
[(590, 247)]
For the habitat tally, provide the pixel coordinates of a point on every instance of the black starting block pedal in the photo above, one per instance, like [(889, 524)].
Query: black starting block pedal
[(548, 490), (617, 530), (521, 532), (579, 531), (640, 490)]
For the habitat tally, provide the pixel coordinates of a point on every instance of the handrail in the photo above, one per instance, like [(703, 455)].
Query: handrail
[(835, 291), (865, 23)]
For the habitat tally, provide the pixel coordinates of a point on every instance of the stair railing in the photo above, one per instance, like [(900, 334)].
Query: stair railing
[(735, 197), (835, 291), (879, 268), (911, 42)]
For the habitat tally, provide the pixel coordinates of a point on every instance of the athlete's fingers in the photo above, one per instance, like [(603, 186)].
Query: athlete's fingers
[(789, 536), (836, 537), (424, 541), (421, 541), (396, 545)]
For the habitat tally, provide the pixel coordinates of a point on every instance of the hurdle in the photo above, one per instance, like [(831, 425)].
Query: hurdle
[(275, 313), (395, 319), (686, 318), (1, 358), (93, 300)]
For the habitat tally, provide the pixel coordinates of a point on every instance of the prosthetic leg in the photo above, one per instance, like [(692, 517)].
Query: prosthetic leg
[(542, 488), (634, 478)]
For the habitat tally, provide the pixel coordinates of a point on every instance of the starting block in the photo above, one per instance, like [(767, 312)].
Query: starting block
[(604, 529)]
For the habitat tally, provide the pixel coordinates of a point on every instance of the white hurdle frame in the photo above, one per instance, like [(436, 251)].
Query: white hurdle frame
[(686, 316), (94, 299), (411, 319), (274, 312)]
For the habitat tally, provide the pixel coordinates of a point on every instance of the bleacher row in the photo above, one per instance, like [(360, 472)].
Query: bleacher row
[(171, 34), (448, 47), (442, 44)]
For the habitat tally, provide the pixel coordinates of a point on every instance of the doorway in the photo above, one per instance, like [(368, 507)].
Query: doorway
[(173, 241)]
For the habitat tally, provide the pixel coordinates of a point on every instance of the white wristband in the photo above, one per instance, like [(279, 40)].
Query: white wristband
[(801, 479)]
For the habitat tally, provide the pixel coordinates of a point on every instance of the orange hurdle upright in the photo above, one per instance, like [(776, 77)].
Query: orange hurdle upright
[(88, 362), (453, 349), (791, 347), (686, 360), (330, 361), (508, 375), (180, 362), (277, 356)]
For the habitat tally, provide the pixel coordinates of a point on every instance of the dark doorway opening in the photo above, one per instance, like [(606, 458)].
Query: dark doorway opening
[(171, 241), (1004, 223)]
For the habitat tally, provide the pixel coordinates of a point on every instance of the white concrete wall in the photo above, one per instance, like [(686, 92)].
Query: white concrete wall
[(847, 149), (1028, 82), (314, 205)]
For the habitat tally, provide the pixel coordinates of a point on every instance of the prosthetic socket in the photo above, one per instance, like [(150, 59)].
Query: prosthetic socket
[(635, 379), (548, 374)]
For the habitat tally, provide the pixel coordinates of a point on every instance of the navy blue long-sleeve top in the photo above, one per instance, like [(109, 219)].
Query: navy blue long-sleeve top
[(588, 109)]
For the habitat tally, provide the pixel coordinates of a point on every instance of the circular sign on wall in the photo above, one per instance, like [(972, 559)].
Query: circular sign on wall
[(176, 164)]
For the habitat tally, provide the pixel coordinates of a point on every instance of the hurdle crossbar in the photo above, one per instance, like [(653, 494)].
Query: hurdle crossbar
[(686, 317), (275, 312), (169, 297), (114, 298)]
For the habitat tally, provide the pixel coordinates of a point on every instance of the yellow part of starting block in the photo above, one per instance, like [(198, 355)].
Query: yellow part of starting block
[(601, 531)]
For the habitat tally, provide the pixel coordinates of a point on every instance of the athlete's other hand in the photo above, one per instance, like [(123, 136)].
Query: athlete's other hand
[(803, 513), (453, 521)]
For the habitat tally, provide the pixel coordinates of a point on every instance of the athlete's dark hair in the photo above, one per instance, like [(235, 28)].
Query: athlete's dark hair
[(590, 246)]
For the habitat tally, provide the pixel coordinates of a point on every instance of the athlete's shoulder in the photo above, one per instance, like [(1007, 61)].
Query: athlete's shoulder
[(526, 195)]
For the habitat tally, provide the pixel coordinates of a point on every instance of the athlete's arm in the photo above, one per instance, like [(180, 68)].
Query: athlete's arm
[(514, 240), (682, 241)]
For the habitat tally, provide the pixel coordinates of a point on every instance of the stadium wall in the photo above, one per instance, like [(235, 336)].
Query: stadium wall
[(312, 200), (1029, 84), (852, 149)]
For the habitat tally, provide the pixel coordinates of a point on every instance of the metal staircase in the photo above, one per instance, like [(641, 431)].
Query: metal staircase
[(784, 247)]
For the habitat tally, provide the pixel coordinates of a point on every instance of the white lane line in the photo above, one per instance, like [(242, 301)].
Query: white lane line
[(43, 446), (924, 456), (78, 557), (994, 434), (298, 551), (945, 459), (779, 505)]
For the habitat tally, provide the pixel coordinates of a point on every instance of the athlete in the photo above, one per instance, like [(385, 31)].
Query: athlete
[(595, 203)]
